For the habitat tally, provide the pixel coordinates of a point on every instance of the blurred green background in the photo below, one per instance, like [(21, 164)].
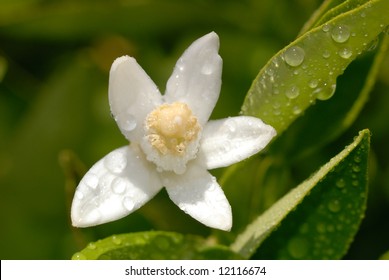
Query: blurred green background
[(54, 63)]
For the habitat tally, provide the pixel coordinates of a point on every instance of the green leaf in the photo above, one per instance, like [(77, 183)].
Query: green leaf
[(319, 218), (306, 70), (154, 245), (3, 67), (345, 107)]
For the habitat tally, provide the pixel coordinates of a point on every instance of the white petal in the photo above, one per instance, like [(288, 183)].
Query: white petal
[(196, 78), (198, 194), (231, 140), (132, 95), (115, 186)]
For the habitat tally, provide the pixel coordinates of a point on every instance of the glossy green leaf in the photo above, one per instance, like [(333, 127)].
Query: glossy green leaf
[(353, 92), (306, 70), (319, 218), (153, 245)]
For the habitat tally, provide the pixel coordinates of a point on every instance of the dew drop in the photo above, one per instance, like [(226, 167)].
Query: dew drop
[(340, 183), (126, 121), (292, 92), (345, 53), (91, 246), (325, 92), (297, 110), (119, 185), (207, 69), (91, 180), (298, 247), (116, 240), (326, 54), (325, 28), (334, 206), (356, 168), (340, 33), (79, 256), (128, 203), (294, 56), (313, 83), (115, 162), (79, 195)]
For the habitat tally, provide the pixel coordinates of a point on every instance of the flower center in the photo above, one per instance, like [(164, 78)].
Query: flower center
[(171, 136)]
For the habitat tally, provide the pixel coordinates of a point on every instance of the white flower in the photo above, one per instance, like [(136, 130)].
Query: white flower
[(172, 142)]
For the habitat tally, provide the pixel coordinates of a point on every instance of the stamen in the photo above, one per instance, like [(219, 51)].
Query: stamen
[(172, 136)]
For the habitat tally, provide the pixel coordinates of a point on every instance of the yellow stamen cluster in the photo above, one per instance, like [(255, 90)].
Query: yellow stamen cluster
[(170, 128)]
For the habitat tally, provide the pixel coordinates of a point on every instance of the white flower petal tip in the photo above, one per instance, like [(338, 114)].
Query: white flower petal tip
[(199, 195), (196, 79), (132, 94), (228, 141), (114, 187)]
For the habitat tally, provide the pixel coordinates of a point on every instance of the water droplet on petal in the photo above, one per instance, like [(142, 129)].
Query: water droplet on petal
[(128, 203), (340, 33), (294, 56), (292, 92), (91, 180), (115, 162), (119, 185), (207, 69), (126, 121), (79, 195)]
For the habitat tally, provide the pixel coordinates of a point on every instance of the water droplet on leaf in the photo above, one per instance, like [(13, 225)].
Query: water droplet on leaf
[(313, 83), (325, 92), (292, 92), (340, 33), (345, 53), (334, 206), (326, 28), (79, 256), (340, 183), (294, 56), (298, 247), (116, 240)]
